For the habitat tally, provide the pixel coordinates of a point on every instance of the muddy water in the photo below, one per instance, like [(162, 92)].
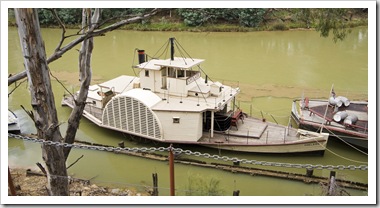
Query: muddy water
[(271, 68)]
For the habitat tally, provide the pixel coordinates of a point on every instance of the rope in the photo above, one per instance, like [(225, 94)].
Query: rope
[(345, 158), (357, 149), (183, 49)]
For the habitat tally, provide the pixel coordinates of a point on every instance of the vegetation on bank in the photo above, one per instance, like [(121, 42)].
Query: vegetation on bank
[(217, 20)]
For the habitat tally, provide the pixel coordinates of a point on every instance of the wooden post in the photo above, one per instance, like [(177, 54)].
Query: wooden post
[(155, 184), (236, 193), (309, 172), (171, 170), (237, 163), (331, 191), (10, 183)]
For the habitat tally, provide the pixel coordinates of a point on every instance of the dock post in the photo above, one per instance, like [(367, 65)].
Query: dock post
[(171, 170), (309, 172), (155, 184), (10, 183), (236, 193), (331, 191)]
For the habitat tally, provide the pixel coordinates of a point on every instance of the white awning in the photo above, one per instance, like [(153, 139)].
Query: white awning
[(145, 96), (182, 63), (119, 84)]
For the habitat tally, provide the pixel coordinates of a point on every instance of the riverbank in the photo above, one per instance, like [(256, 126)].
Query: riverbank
[(32, 183), (274, 19)]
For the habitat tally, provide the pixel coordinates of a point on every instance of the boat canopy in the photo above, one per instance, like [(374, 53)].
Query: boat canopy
[(147, 97), (181, 63), (119, 84)]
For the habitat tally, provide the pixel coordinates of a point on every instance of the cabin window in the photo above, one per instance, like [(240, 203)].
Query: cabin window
[(175, 119), (147, 73), (180, 73), (171, 73)]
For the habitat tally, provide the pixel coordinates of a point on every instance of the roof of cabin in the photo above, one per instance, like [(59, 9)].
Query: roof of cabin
[(182, 63), (119, 84), (145, 96)]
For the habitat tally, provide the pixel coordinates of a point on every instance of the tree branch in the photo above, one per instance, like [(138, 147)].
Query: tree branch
[(75, 162), (17, 85), (54, 11), (57, 54), (85, 72)]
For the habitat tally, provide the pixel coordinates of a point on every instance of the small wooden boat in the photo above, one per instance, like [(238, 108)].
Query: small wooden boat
[(343, 119), (13, 125), (174, 101)]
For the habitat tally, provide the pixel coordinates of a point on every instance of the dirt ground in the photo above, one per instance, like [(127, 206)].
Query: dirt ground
[(33, 185)]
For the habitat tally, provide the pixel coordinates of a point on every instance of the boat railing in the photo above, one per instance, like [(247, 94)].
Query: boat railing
[(364, 129)]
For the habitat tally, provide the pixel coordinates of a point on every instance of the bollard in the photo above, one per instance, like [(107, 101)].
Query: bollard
[(309, 172), (236, 193), (237, 163)]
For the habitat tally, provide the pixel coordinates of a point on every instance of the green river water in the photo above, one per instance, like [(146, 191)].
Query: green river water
[(271, 68)]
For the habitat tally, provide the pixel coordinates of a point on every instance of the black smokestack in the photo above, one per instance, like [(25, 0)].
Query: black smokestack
[(141, 56), (172, 49)]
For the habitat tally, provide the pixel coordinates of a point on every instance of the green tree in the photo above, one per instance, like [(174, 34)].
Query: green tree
[(244, 17), (67, 15), (328, 19)]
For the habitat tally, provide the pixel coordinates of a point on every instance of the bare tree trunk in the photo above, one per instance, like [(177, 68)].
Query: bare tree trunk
[(44, 110), (85, 73)]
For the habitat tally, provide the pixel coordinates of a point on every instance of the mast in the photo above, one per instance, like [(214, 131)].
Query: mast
[(171, 49), (327, 107)]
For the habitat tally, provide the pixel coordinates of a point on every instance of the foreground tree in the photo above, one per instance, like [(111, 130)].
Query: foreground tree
[(44, 112)]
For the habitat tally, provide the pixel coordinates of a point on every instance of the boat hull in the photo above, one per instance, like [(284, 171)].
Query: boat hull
[(357, 139), (313, 147), (13, 125)]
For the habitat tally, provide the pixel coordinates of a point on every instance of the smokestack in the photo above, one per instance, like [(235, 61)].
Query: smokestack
[(141, 56), (172, 49)]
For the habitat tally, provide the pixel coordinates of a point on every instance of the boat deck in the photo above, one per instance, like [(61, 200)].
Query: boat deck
[(253, 132), (316, 111)]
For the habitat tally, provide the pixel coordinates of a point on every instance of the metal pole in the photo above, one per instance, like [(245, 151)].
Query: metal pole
[(327, 107), (10, 183), (171, 170), (212, 124), (247, 136)]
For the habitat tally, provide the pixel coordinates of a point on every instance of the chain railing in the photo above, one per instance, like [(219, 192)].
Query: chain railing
[(189, 152)]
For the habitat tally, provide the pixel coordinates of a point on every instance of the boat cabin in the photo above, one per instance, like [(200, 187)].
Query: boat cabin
[(168, 100)]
